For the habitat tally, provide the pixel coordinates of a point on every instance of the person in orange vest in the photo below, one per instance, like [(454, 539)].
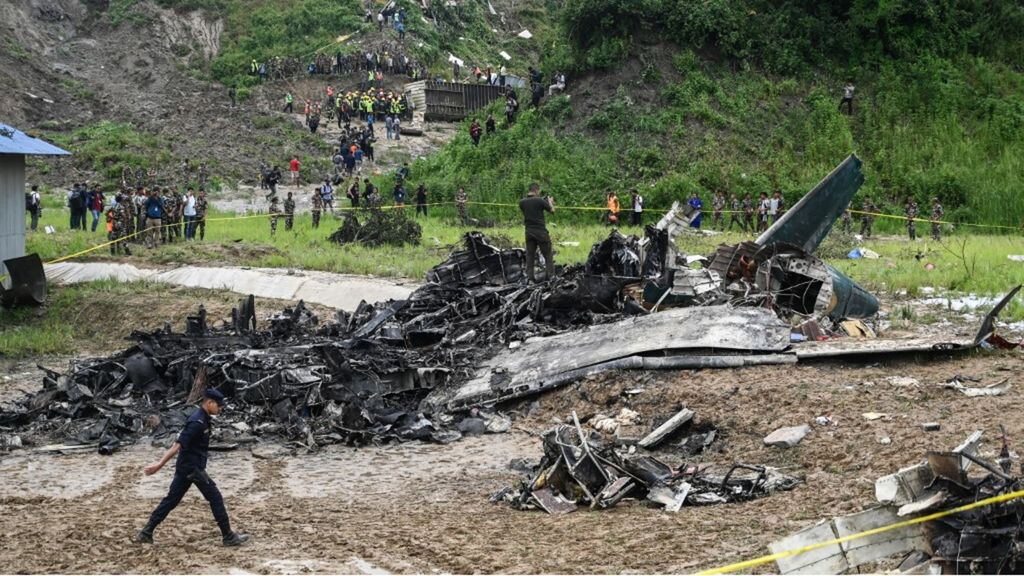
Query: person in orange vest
[(613, 208)]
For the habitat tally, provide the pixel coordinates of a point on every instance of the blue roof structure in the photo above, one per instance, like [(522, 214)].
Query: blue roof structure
[(14, 141)]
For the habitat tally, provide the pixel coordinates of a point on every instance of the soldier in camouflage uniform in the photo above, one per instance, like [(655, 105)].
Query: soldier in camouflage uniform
[(274, 212), (866, 219), (735, 212), (937, 214), (201, 205), (139, 203), (717, 205), (461, 198), (748, 213), (119, 215), (847, 224), (204, 174), (167, 231), (318, 207), (910, 211), (289, 212)]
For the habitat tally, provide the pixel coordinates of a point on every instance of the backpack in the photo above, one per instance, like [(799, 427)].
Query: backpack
[(28, 202)]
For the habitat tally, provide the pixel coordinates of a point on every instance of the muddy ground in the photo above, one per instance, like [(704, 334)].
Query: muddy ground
[(424, 508)]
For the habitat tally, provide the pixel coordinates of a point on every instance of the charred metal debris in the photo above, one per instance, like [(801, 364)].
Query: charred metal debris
[(476, 334), (982, 540), (586, 467), (378, 228)]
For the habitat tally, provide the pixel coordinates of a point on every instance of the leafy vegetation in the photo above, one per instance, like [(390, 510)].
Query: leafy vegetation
[(798, 35)]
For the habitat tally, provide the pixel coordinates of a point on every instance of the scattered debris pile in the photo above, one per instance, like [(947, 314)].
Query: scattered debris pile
[(585, 468), (987, 539), (379, 228), (357, 378)]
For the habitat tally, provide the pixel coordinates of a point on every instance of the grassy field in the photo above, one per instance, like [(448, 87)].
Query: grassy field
[(96, 317), (962, 262)]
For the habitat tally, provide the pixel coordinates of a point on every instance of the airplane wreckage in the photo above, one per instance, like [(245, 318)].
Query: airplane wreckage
[(476, 334)]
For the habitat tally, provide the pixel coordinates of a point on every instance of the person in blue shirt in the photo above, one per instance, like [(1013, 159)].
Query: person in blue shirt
[(155, 214), (696, 203), (192, 448)]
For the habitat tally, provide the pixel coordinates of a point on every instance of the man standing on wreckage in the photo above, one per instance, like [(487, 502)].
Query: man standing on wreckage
[(192, 448)]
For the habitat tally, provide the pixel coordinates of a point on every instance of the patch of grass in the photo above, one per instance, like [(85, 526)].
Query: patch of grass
[(96, 317), (15, 50)]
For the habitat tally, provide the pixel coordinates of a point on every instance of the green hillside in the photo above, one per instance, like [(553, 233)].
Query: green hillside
[(678, 97)]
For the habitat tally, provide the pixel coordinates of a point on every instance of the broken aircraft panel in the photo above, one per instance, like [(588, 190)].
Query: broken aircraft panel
[(540, 363)]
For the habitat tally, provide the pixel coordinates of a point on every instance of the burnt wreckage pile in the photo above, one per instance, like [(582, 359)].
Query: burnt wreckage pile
[(474, 334), (379, 228), (983, 539), (584, 467), (359, 377)]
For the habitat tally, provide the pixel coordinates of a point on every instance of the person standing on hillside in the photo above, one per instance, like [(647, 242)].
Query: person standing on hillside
[(275, 212), (118, 216), (779, 204), (867, 218), (35, 207), (735, 212), (717, 206), (318, 206), (511, 107), (399, 195), (188, 210), (289, 212), (192, 450), (96, 199), (289, 103), (293, 169), (847, 98), (461, 199), (154, 209), (475, 131), (698, 206), (636, 215), (762, 212), (421, 200), (910, 211), (200, 223), (937, 214), (748, 214), (533, 208), (612, 201)]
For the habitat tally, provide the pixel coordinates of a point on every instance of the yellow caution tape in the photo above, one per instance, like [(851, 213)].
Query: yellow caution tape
[(734, 568)]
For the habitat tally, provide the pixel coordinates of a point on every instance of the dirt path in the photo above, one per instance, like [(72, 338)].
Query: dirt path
[(339, 291), (424, 508)]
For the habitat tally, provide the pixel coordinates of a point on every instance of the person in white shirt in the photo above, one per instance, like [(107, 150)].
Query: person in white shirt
[(189, 211)]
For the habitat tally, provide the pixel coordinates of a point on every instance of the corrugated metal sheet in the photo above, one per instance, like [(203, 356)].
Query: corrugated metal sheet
[(14, 141), (12, 207), (453, 101)]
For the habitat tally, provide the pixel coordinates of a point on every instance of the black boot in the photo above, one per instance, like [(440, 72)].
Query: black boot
[(145, 536), (236, 539)]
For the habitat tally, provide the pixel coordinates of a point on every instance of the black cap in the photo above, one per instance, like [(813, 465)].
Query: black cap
[(215, 395)]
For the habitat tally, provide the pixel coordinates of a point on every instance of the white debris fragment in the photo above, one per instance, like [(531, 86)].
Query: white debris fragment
[(787, 437), (525, 34)]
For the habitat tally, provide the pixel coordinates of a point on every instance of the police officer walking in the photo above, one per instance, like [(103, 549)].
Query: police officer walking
[(192, 447)]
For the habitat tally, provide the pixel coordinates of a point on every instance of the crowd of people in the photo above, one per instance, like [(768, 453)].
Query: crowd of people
[(144, 209), (372, 106)]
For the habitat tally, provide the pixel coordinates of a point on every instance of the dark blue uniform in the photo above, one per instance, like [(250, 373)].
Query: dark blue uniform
[(190, 469)]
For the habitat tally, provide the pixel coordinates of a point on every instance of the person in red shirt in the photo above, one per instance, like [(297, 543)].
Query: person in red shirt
[(293, 167)]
